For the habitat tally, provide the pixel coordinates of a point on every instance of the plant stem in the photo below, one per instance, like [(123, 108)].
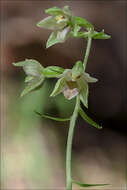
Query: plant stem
[(69, 144), (87, 51)]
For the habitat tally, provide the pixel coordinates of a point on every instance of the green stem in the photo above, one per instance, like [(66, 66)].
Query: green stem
[(69, 144), (87, 51)]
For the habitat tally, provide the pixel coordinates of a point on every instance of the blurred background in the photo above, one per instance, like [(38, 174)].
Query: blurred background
[(33, 149)]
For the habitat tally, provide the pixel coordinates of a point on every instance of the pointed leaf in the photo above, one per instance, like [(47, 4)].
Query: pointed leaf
[(58, 87), (83, 22), (88, 78), (33, 85), (88, 119), (87, 185), (100, 35), (52, 118), (53, 71)]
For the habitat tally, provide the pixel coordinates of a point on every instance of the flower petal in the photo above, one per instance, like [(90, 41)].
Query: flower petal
[(31, 67), (88, 78), (52, 39), (83, 88), (48, 23), (67, 11), (54, 11), (70, 93), (34, 84), (58, 87), (63, 35)]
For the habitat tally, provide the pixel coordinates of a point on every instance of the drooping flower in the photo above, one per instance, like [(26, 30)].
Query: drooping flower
[(73, 82), (36, 74), (60, 21)]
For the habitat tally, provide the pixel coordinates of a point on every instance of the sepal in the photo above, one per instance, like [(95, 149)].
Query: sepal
[(34, 84), (58, 87), (77, 70), (83, 90)]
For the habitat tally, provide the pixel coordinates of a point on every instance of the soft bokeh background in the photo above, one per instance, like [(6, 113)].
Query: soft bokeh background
[(33, 149)]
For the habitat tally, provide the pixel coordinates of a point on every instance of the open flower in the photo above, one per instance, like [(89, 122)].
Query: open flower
[(73, 82), (60, 22), (36, 74)]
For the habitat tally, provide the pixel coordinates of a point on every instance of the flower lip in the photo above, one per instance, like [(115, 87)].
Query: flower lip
[(60, 17)]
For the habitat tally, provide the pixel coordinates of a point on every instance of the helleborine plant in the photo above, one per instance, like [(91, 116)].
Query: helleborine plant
[(73, 83)]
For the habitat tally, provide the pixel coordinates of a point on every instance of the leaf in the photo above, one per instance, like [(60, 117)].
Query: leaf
[(83, 88), (88, 119), (88, 78), (33, 85), (53, 118), (77, 70), (100, 35), (54, 11), (58, 87), (53, 71), (87, 185), (30, 66), (83, 22)]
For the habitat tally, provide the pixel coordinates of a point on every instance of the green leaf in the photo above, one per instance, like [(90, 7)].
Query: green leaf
[(88, 119), (30, 66), (83, 22), (83, 88), (54, 11), (53, 118), (87, 185), (100, 35), (58, 87), (88, 78), (53, 71), (33, 85), (77, 70)]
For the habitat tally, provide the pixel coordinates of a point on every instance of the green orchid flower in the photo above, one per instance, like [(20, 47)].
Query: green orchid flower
[(36, 74), (60, 21), (73, 82)]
